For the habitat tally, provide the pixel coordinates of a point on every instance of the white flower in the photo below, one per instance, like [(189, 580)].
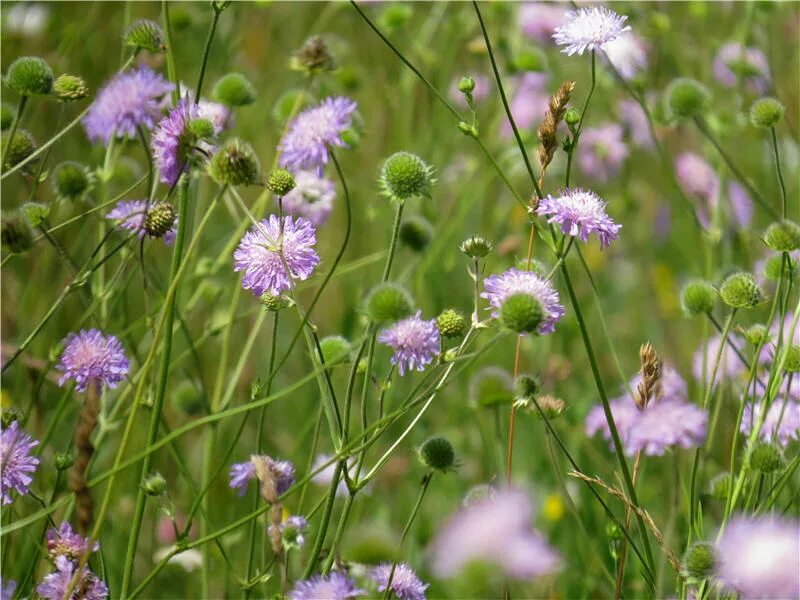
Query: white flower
[(589, 29)]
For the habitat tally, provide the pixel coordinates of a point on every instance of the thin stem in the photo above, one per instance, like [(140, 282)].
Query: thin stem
[(574, 143), (778, 169), (326, 518), (206, 51), (172, 72), (23, 101), (398, 219)]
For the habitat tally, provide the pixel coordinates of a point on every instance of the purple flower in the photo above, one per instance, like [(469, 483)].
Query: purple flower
[(529, 102), (90, 356), (16, 461), (627, 53), (7, 589), (539, 20), (741, 205), (666, 423), (580, 213), (172, 146), (415, 343), (602, 151), (697, 179), (634, 120), (131, 99), (589, 29), (312, 198), (482, 90), (499, 287), (325, 475), (335, 586), (405, 583), (305, 145), (54, 586), (242, 473), (734, 62), (131, 215), (494, 530), (782, 421), (625, 413), (292, 530), (730, 365), (758, 557), (259, 254), (65, 542)]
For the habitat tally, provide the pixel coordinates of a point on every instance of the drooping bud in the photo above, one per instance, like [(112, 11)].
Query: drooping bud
[(160, 219), (16, 234), (476, 247), (30, 76), (234, 89), (154, 484), (7, 115), (437, 453), (451, 323), (698, 563), (405, 175), (687, 97), (416, 232), (766, 112), (64, 460), (741, 290), (757, 334), (313, 57), (70, 88), (388, 302), (783, 236), (272, 302), (335, 350), (234, 164), (281, 182), (35, 213), (145, 34), (22, 146), (521, 313)]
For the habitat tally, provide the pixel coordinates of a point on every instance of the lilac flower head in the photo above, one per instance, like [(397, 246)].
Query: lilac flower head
[(758, 557), (54, 586), (259, 254), (312, 198), (529, 102), (65, 542), (698, 180), (240, 476), (494, 530), (334, 586), (499, 287), (305, 144), (218, 114), (172, 143), (580, 213), (730, 365), (539, 20), (602, 151), (242, 473), (634, 120), (589, 29), (627, 53), (781, 423), (90, 356), (7, 589), (734, 62), (15, 461), (741, 205), (292, 530), (131, 215), (664, 424), (405, 583), (131, 99), (625, 413), (415, 342)]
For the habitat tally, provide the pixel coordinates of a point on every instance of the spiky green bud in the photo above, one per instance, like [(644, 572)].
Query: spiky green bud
[(7, 114), (22, 146), (766, 112), (521, 313), (697, 297), (234, 164), (35, 213), (451, 323), (416, 232), (792, 361), (572, 117), (154, 484), (687, 97), (16, 234), (741, 290), (766, 458), (70, 180), (335, 350), (70, 88), (272, 302), (526, 385), (388, 302), (234, 89), (405, 175), (201, 128), (783, 236), (775, 264), (145, 34), (30, 76), (160, 219), (281, 182), (698, 562), (757, 334), (63, 461), (437, 453), (476, 247)]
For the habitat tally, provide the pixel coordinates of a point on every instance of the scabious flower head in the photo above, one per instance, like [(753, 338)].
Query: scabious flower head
[(132, 215), (741, 205), (259, 254), (757, 557), (734, 62), (664, 424), (90, 356), (589, 29), (494, 530), (334, 586), (529, 102), (697, 179), (602, 151), (173, 142), (580, 213), (730, 366), (281, 470), (131, 99), (415, 342), (7, 589), (539, 20), (306, 144), (312, 198), (15, 461), (500, 287), (782, 421), (627, 53), (634, 120), (65, 542), (55, 585), (405, 583), (292, 530)]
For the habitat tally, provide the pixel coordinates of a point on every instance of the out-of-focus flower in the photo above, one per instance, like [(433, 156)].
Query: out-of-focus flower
[(602, 151), (55, 585), (741, 205), (292, 530), (580, 213), (405, 583), (132, 216), (325, 476), (16, 462), (529, 102), (65, 542), (92, 357), (27, 19), (334, 586), (539, 20), (781, 423), (698, 180), (189, 560), (628, 54), (415, 343), (589, 29), (498, 288), (242, 473), (730, 365), (634, 120), (734, 62), (7, 588), (312, 197)]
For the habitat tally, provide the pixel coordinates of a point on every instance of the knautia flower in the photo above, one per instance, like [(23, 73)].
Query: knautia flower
[(580, 213), (16, 462), (306, 144), (7, 588), (529, 102), (334, 586), (698, 180), (173, 142), (602, 151), (539, 20), (741, 205), (130, 100), (730, 365), (664, 424), (415, 342), (782, 422), (634, 120), (625, 413), (65, 542), (292, 530), (500, 287), (405, 583), (494, 530), (242, 473), (627, 53), (757, 557), (589, 29), (132, 216), (312, 198), (92, 357), (264, 249), (734, 62), (218, 114), (55, 585)]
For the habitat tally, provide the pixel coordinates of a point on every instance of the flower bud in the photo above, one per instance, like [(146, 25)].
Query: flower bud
[(687, 97), (531, 59), (388, 302), (234, 89), (697, 297), (22, 146), (467, 129), (188, 399), (783, 236), (35, 213), (271, 302), (396, 16), (572, 117), (741, 290), (335, 350), (30, 76), (792, 361), (521, 313), (8, 416), (698, 562), (281, 182), (774, 265), (416, 232), (7, 115), (160, 219), (313, 57), (234, 164), (145, 34), (155, 484), (405, 175), (476, 247), (526, 385), (201, 128), (766, 112), (70, 180), (69, 88), (451, 323), (720, 486), (437, 453), (16, 234), (550, 405), (64, 460), (466, 85), (766, 458), (757, 334)]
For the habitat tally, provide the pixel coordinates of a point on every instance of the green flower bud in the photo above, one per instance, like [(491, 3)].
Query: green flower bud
[(30, 76), (526, 385), (145, 34), (521, 313), (388, 302), (451, 323), (466, 85), (720, 486), (313, 57), (437, 453), (741, 290), (234, 164), (396, 16), (416, 232), (70, 88), (64, 460), (285, 104), (272, 303), (281, 182), (22, 146), (476, 247), (774, 265), (335, 350), (698, 562), (757, 334), (687, 97), (697, 297), (155, 484), (160, 219), (234, 89), (16, 234), (201, 128), (7, 115), (491, 386), (766, 458), (405, 175), (792, 364), (467, 129), (70, 180), (783, 236), (35, 213), (572, 117), (8, 416), (766, 112)]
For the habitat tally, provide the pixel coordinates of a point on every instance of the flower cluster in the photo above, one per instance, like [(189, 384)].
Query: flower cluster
[(66, 549), (580, 213), (92, 357)]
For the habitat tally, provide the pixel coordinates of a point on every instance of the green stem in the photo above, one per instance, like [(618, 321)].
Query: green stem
[(574, 143), (326, 518), (23, 101), (398, 219), (172, 72), (780, 173), (206, 51)]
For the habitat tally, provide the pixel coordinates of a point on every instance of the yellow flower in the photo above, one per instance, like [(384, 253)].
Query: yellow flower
[(553, 508)]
